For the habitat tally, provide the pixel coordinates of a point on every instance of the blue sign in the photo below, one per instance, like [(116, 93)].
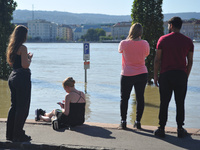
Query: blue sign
[(86, 48), (86, 51)]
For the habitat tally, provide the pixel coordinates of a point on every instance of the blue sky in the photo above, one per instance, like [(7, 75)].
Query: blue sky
[(109, 7)]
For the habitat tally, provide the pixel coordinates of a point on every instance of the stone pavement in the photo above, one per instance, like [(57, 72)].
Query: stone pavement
[(99, 136)]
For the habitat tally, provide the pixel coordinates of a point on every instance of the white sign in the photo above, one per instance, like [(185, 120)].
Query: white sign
[(86, 51), (86, 65)]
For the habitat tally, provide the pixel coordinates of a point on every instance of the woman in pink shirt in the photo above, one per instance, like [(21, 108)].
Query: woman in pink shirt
[(134, 72)]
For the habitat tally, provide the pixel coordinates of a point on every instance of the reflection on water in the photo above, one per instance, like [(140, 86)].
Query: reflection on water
[(151, 109), (4, 99), (87, 107)]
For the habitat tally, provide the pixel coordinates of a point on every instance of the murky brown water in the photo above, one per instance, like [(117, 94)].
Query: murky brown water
[(4, 99), (149, 117), (151, 110), (53, 62)]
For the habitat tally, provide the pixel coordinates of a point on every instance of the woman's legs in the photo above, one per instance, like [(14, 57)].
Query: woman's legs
[(20, 87), (11, 113), (127, 83), (126, 87), (47, 116), (23, 94), (139, 92)]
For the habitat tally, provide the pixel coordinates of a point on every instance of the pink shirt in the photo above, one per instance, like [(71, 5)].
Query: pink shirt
[(133, 57)]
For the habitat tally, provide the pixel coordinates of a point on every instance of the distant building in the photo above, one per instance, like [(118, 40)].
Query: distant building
[(77, 33), (197, 30), (42, 30), (49, 32), (165, 26), (24, 24), (64, 32), (107, 30), (187, 29), (121, 29)]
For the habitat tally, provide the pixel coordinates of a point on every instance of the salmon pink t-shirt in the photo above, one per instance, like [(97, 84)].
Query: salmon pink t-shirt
[(133, 56)]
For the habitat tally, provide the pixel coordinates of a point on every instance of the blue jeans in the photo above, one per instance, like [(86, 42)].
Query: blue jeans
[(20, 86), (127, 82), (172, 81)]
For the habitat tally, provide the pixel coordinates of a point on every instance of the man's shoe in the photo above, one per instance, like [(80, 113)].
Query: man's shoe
[(9, 139), (122, 125), (37, 118), (137, 125), (182, 133), (25, 138), (159, 133)]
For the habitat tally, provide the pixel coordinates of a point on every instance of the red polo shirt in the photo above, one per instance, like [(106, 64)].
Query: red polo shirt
[(175, 47)]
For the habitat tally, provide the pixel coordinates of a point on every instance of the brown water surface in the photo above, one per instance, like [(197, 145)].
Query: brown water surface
[(4, 99), (53, 62), (151, 110), (150, 116)]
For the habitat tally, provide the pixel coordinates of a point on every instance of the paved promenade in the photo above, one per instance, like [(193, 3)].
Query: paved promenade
[(99, 136)]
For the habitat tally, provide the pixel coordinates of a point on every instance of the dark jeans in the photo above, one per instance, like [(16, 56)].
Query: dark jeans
[(127, 83), (20, 87), (172, 81)]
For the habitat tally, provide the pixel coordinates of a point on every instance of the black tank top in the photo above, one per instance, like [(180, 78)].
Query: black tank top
[(77, 114), (17, 64), (77, 111)]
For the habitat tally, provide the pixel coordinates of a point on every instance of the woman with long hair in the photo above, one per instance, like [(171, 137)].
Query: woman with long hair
[(134, 72), (19, 83)]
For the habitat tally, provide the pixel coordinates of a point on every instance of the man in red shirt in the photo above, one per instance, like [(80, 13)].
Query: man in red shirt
[(174, 58)]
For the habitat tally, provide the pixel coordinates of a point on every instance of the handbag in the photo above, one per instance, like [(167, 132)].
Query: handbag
[(54, 123)]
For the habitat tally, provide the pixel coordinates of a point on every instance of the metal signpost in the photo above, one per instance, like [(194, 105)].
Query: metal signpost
[(86, 56)]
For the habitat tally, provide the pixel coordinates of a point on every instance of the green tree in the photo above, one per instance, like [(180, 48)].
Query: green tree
[(93, 35), (149, 14), (193, 19), (101, 38), (100, 32), (122, 37), (6, 10)]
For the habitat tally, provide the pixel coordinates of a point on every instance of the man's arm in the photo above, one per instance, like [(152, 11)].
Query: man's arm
[(189, 62), (157, 61)]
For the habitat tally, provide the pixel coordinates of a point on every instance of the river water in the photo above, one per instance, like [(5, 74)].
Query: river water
[(53, 62)]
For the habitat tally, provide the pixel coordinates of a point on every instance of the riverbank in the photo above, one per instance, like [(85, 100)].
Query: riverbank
[(99, 136)]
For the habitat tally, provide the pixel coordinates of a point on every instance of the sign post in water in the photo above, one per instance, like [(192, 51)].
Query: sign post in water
[(86, 51), (86, 57)]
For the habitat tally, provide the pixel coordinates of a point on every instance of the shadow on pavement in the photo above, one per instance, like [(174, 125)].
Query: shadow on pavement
[(144, 132), (187, 142), (93, 131)]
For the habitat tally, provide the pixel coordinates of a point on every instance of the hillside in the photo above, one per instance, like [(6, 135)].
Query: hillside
[(66, 17), (184, 16), (22, 16)]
